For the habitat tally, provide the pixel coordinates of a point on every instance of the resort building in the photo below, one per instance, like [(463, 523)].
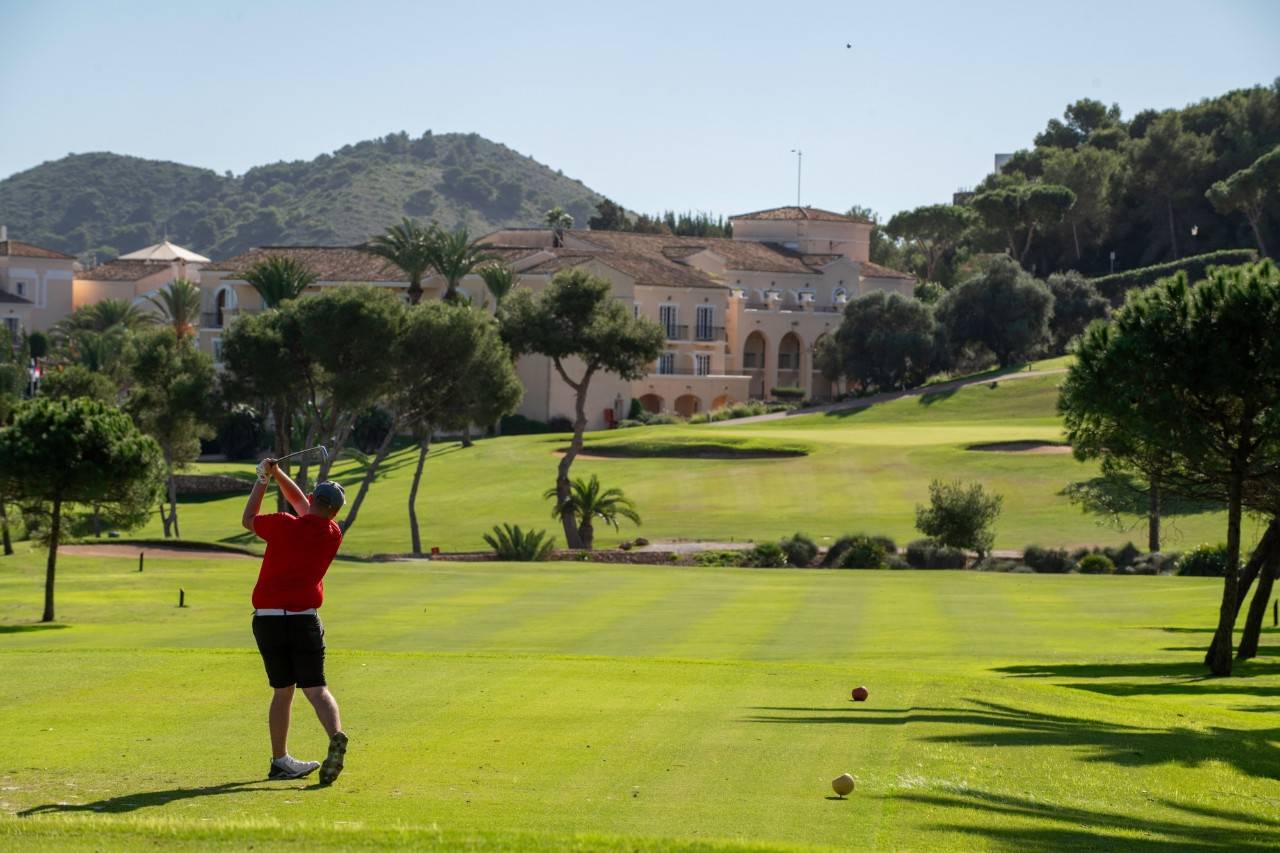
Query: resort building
[(35, 285), (742, 316), (137, 275)]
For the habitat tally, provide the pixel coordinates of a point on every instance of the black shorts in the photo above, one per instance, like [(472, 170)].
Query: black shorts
[(292, 649)]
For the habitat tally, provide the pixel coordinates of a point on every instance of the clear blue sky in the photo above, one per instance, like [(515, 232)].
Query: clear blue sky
[(656, 104)]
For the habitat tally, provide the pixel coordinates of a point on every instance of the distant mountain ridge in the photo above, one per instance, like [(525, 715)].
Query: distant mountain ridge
[(100, 205)]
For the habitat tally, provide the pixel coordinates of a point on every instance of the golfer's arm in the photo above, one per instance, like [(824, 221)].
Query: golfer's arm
[(254, 503), (291, 492)]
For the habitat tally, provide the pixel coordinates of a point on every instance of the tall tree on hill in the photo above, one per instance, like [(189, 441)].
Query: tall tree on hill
[(1248, 191), (576, 320), (935, 229), (1164, 166), (179, 305), (409, 246), (1088, 172), (278, 278), (455, 255), (1193, 373), (56, 454)]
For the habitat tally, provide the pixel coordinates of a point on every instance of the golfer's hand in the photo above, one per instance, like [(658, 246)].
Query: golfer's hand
[(266, 470)]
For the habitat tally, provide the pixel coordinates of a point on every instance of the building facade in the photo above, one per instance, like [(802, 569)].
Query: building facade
[(35, 286)]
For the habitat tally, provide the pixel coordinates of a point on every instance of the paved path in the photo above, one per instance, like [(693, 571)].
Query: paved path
[(864, 402), (124, 549)]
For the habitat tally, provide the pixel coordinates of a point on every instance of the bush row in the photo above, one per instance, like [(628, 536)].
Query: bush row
[(1115, 286)]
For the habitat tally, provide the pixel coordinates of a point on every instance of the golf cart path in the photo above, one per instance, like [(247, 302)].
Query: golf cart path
[(124, 549), (864, 402)]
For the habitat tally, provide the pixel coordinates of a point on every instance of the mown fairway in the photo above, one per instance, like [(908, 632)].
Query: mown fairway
[(526, 707), (865, 473)]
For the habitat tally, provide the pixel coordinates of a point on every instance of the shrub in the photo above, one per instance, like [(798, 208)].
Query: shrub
[(959, 516), (559, 423), (789, 393), (1001, 564), (520, 425), (1156, 563), (513, 544), (370, 428), (718, 558), (1204, 561), (242, 433), (893, 561), (1115, 286), (929, 554), (1124, 556), (1096, 564), (889, 546), (766, 555), (640, 542), (663, 419), (636, 410), (800, 550), (858, 552), (1048, 560)]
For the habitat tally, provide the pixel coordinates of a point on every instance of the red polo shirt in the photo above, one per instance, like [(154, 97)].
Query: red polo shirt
[(299, 551)]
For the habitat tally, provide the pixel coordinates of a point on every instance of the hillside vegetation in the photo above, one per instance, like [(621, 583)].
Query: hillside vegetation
[(101, 204)]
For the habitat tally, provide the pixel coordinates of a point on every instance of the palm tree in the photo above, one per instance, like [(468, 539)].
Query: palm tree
[(409, 246), (560, 220), (500, 280), (277, 278), (588, 502), (179, 305), (104, 315), (454, 255)]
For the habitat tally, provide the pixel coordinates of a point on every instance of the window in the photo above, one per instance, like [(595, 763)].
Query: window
[(667, 362), (20, 289), (667, 315), (838, 295), (11, 326), (706, 322), (702, 364), (217, 350)]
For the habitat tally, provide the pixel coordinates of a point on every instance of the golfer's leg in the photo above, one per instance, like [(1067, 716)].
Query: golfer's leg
[(278, 719), (326, 708)]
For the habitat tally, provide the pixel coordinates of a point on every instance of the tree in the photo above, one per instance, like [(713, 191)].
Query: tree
[(172, 400), (610, 216), (577, 323), (1088, 172), (410, 246), (1003, 307), (103, 316), (935, 229), (278, 278), (884, 341), (179, 305), (1164, 165), (1082, 119), (959, 516), (588, 502), (454, 255), (1192, 373), (1029, 206), (59, 453), (66, 382), (1076, 304), (500, 280), (1247, 191), (559, 220)]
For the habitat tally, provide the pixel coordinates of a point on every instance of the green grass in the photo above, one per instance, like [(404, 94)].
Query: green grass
[(864, 471), (577, 706)]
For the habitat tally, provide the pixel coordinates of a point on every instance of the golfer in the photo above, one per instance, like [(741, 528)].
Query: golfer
[(286, 624)]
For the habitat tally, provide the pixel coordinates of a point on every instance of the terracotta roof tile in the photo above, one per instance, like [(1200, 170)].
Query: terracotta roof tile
[(19, 249), (870, 270), (793, 212), (327, 263), (124, 270)]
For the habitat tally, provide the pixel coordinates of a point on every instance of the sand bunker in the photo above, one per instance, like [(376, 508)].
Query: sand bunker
[(1041, 447)]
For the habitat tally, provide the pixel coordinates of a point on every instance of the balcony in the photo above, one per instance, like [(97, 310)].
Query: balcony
[(677, 333), (222, 319), (689, 371), (709, 333)]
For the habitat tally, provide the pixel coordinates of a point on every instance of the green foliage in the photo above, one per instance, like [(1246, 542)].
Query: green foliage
[(511, 543), (930, 554), (800, 550), (1076, 304), (520, 425), (66, 382), (409, 246), (588, 502), (929, 292), (1048, 560), (856, 551), (1096, 564), (370, 428), (959, 516), (766, 555), (278, 278), (885, 341), (935, 229), (695, 446), (241, 434), (499, 280), (1248, 192), (1206, 561), (1003, 308), (719, 559), (453, 254), (787, 393), (1114, 287), (179, 305)]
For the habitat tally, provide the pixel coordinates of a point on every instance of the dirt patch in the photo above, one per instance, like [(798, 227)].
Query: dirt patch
[(126, 550), (1036, 447)]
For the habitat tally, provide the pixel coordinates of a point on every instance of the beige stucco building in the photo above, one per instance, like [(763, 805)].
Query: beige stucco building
[(742, 316), (137, 275), (35, 286)]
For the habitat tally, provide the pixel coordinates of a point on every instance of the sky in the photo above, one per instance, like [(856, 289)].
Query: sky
[(658, 105)]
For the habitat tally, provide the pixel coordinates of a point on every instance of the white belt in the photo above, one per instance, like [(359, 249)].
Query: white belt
[(277, 611)]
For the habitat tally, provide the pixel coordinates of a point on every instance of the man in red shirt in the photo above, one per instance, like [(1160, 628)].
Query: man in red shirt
[(286, 624)]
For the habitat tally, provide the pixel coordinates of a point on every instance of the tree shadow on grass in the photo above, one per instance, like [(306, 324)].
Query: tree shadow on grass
[(1171, 678), (1058, 827), (33, 626), (149, 799), (1255, 752)]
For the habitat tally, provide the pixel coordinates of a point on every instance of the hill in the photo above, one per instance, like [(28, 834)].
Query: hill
[(100, 205)]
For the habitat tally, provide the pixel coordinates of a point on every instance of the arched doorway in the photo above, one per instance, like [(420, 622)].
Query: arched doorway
[(652, 403), (223, 303), (687, 405), (755, 352), (789, 360)]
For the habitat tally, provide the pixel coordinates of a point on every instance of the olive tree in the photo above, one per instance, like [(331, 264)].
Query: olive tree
[(885, 340), (578, 324), (1003, 308), (56, 454)]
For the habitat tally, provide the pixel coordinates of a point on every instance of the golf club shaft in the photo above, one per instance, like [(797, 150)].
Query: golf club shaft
[(319, 447)]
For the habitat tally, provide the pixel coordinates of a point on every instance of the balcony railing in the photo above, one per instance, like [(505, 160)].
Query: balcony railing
[(223, 318), (689, 371), (709, 333), (677, 333)]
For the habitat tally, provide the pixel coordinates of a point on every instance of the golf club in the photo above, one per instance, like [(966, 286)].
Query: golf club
[(321, 451)]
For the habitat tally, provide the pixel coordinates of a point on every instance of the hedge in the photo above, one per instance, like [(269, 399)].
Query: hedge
[(1116, 285)]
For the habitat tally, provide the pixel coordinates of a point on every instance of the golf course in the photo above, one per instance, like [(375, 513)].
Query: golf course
[(498, 706)]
